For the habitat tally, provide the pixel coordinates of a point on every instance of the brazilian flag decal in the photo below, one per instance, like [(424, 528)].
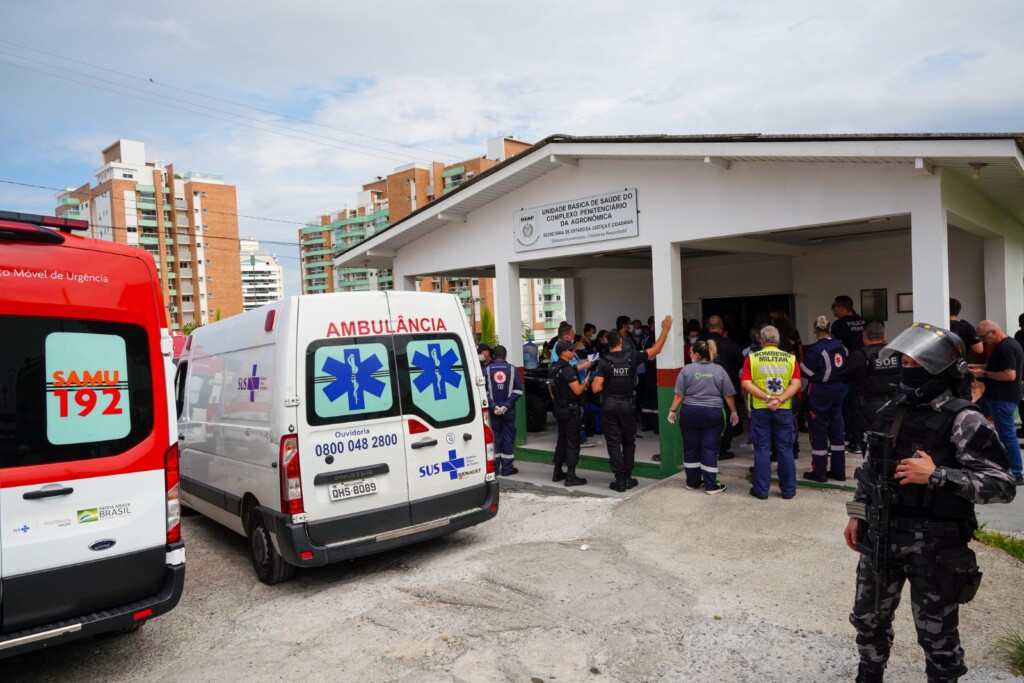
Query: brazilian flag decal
[(88, 515)]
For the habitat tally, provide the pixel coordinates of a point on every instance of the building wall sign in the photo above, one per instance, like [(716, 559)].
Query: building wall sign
[(608, 216)]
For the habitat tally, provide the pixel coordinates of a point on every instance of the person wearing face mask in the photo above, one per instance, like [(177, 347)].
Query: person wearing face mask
[(625, 329), (947, 459), (484, 352)]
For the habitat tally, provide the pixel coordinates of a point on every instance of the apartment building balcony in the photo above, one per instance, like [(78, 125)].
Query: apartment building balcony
[(181, 220), (318, 252), (313, 240), (186, 289), (316, 276), (315, 288), (146, 203), (552, 289), (185, 272), (554, 306), (148, 222), (183, 238), (184, 255), (69, 201), (74, 215), (148, 237), (171, 291)]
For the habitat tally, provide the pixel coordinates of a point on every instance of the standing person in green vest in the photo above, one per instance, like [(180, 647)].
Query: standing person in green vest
[(771, 378)]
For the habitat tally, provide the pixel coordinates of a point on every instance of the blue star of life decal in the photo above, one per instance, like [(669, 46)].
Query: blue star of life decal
[(774, 385), (353, 377), (452, 465), (437, 371)]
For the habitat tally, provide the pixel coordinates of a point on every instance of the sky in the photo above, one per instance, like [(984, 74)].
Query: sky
[(298, 105)]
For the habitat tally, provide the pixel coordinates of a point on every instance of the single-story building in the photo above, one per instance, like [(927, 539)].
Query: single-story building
[(694, 225)]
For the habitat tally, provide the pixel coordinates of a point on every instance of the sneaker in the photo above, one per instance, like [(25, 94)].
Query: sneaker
[(728, 455), (814, 476), (693, 487), (711, 492), (837, 477), (756, 495), (588, 444)]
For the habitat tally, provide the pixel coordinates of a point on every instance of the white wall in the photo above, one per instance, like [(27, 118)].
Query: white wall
[(607, 294)]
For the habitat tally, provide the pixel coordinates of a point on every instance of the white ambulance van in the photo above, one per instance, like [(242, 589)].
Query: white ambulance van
[(90, 540), (325, 427)]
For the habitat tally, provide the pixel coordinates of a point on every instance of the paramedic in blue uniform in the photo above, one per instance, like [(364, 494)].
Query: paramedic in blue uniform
[(822, 368), (503, 390), (566, 389), (616, 377)]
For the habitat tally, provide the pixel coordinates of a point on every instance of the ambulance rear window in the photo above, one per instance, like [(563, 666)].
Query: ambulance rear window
[(72, 390), (350, 379), (435, 380)]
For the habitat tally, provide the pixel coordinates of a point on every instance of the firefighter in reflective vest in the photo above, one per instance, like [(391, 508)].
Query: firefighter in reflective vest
[(615, 379), (771, 378), (503, 390), (948, 458)]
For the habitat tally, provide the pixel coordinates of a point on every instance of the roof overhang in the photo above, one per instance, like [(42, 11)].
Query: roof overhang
[(993, 163)]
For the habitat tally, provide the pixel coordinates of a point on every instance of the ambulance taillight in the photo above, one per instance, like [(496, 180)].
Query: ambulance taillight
[(489, 448), (291, 477), (172, 485)]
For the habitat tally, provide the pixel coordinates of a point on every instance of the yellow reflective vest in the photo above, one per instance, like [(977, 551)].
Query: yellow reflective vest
[(771, 370)]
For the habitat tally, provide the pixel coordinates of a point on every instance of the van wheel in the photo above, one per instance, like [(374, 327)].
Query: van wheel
[(536, 414), (270, 567)]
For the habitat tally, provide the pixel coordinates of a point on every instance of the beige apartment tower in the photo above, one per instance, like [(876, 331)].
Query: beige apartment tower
[(187, 221)]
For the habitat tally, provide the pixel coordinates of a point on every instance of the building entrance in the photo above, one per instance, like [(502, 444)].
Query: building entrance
[(739, 312)]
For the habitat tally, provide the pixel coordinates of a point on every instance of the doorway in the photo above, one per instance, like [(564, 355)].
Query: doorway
[(739, 312)]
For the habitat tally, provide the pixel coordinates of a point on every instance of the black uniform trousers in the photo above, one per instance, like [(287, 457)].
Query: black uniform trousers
[(567, 448), (618, 420)]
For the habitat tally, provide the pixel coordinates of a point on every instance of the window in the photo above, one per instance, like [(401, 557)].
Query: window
[(128, 176), (434, 375), (77, 390), (350, 379)]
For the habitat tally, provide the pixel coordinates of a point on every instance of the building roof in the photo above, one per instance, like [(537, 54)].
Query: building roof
[(1001, 180)]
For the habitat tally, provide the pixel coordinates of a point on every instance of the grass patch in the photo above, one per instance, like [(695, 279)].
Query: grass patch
[(1011, 545), (1011, 646)]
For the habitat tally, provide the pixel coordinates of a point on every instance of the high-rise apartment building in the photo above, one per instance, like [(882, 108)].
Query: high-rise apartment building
[(389, 199), (262, 276), (187, 221)]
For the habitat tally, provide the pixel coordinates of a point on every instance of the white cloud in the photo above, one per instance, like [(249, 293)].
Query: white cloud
[(447, 78)]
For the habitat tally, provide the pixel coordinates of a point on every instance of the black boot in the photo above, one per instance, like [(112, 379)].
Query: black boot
[(618, 485), (865, 675), (572, 480), (631, 482), (559, 474)]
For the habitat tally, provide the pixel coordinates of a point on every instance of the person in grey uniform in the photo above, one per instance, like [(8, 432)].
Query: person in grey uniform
[(701, 387)]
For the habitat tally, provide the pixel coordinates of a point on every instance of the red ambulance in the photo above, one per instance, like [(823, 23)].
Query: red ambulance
[(90, 540)]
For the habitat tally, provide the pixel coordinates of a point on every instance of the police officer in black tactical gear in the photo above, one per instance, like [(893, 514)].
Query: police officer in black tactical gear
[(947, 458), (872, 379), (615, 378), (566, 389)]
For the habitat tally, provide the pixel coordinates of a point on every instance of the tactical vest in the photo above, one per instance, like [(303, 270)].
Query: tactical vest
[(883, 375), (926, 429), (771, 370), (560, 386), (619, 374)]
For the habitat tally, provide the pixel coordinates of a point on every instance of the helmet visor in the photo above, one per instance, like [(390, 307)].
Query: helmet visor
[(934, 348)]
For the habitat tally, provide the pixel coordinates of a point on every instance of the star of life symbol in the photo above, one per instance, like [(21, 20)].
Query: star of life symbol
[(774, 385), (437, 371), (353, 377), (452, 465), (500, 377), (23, 528)]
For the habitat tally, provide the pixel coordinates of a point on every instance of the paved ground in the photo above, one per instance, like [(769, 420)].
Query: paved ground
[(662, 585)]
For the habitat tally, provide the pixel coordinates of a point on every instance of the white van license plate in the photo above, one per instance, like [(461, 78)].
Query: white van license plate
[(351, 489)]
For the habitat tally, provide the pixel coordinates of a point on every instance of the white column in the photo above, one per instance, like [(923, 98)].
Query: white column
[(1004, 282), (666, 270), (507, 317), (570, 297), (929, 248)]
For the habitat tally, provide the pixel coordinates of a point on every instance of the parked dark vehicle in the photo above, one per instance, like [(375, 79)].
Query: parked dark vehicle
[(538, 398)]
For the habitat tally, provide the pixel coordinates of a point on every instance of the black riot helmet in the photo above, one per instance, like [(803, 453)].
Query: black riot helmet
[(938, 351)]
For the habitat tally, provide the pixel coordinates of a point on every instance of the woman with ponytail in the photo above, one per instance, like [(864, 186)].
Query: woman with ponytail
[(821, 366), (700, 387)]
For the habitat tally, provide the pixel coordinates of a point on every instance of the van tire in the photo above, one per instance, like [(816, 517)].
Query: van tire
[(536, 413), (268, 564)]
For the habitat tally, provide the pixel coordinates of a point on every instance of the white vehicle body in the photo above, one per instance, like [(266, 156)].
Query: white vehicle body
[(329, 426)]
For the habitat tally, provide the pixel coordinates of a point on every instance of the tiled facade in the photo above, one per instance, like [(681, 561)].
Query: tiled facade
[(262, 276), (188, 222)]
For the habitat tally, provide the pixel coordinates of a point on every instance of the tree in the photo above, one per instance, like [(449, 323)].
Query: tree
[(487, 332)]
